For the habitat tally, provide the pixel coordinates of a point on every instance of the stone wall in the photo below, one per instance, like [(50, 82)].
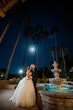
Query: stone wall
[(3, 84), (56, 101), (39, 102)]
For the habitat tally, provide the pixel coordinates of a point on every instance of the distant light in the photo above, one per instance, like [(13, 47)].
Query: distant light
[(32, 49), (20, 71), (1, 75)]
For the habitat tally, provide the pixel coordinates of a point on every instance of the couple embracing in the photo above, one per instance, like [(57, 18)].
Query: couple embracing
[(25, 93)]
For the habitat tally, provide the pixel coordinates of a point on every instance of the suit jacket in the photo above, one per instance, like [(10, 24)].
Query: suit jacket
[(34, 76)]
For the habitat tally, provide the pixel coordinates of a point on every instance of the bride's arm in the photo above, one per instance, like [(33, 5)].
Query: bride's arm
[(28, 74)]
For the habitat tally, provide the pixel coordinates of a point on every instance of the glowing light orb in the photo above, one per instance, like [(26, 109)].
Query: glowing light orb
[(20, 71), (32, 49)]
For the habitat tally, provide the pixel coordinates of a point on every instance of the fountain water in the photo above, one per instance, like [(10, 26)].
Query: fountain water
[(57, 80), (56, 97)]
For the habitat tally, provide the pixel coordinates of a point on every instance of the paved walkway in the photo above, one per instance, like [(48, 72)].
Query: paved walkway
[(5, 104)]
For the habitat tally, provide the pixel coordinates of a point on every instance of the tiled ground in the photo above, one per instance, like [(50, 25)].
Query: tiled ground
[(5, 104)]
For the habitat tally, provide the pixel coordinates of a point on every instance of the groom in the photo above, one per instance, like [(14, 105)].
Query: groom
[(34, 79), (34, 76)]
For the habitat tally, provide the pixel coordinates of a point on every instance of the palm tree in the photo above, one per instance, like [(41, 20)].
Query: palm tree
[(45, 35), (36, 41), (63, 50), (27, 35), (5, 30), (12, 54), (52, 50), (54, 31), (25, 21), (36, 37), (26, 28)]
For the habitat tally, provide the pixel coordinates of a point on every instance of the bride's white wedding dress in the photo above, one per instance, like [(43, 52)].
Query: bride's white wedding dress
[(24, 95)]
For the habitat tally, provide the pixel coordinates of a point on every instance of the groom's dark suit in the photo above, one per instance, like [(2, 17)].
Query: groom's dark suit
[(34, 76), (34, 79)]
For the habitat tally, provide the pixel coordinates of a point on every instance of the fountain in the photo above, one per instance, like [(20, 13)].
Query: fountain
[(53, 95), (57, 80)]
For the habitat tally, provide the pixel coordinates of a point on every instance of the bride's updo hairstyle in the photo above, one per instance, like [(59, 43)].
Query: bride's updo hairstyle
[(33, 66)]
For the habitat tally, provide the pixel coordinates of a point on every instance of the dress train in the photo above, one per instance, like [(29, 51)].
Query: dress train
[(24, 95)]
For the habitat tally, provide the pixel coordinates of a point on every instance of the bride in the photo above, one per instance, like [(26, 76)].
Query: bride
[(24, 95)]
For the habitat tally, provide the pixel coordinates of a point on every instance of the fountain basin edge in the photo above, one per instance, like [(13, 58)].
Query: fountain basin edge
[(56, 101)]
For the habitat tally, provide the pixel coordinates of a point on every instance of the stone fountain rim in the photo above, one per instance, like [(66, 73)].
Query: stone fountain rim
[(56, 95)]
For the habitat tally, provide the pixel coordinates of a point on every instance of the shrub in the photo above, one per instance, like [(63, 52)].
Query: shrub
[(43, 80), (14, 80)]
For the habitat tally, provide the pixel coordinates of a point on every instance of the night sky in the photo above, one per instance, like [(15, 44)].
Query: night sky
[(47, 13)]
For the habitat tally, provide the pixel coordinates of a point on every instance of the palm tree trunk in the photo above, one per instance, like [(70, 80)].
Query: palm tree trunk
[(36, 62), (53, 56), (43, 57), (5, 30), (56, 48), (64, 63), (25, 61), (9, 63)]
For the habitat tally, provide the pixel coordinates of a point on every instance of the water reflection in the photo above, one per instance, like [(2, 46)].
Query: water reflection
[(52, 88)]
